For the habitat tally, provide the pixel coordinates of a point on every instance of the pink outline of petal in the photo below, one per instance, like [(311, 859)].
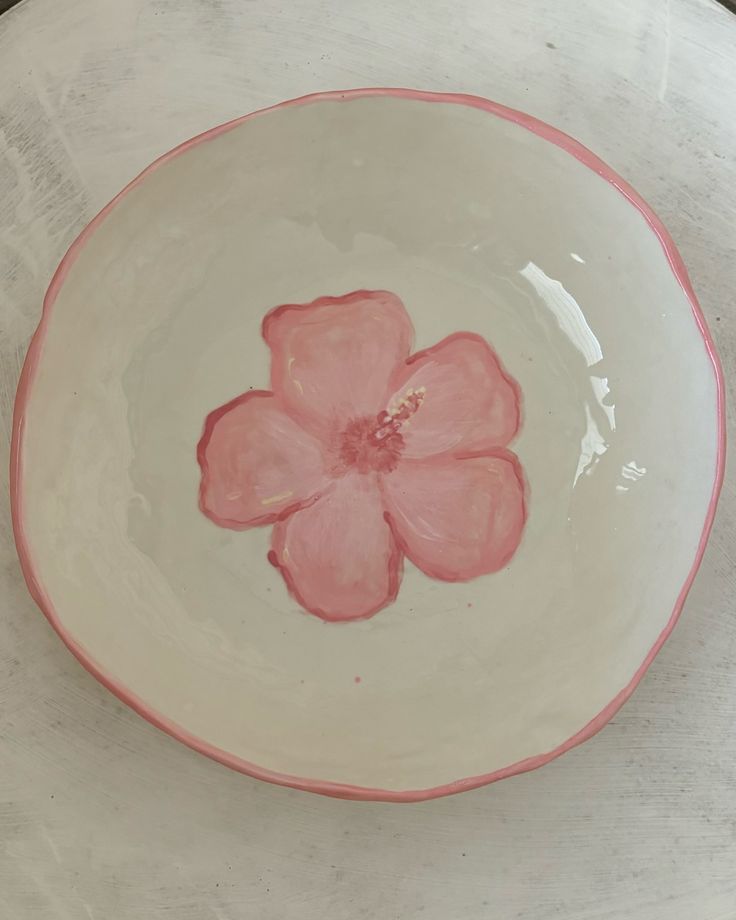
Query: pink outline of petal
[(500, 453), (507, 378), (209, 426), (352, 297), (395, 574)]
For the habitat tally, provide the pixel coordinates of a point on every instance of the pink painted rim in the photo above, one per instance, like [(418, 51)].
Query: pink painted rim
[(325, 787)]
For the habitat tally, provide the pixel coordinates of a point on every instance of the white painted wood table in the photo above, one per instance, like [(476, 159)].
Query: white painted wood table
[(102, 817)]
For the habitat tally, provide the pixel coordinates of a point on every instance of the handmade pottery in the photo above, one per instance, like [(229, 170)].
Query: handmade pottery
[(369, 444)]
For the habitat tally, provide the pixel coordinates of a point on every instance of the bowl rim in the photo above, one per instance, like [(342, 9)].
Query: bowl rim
[(128, 696)]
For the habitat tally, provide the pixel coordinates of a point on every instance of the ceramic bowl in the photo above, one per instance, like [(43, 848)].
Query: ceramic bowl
[(369, 443)]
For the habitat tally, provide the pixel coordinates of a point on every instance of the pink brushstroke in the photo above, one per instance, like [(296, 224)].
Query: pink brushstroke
[(326, 786), (363, 454)]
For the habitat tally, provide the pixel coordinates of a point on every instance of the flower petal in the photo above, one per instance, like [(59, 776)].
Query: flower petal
[(257, 463), (332, 358), (338, 557), (457, 519), (468, 402)]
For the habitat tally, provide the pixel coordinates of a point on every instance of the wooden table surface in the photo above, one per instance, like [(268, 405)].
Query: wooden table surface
[(102, 817)]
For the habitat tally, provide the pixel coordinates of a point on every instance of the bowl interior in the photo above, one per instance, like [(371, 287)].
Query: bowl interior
[(477, 224)]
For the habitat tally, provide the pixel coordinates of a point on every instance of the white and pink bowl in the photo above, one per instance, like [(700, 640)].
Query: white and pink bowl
[(369, 443)]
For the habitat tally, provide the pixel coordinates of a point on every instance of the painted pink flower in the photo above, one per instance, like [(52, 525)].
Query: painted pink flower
[(362, 453)]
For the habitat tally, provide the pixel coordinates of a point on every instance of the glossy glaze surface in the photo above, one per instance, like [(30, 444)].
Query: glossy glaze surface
[(476, 223)]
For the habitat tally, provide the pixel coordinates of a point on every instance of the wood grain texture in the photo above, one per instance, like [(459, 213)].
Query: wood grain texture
[(104, 818)]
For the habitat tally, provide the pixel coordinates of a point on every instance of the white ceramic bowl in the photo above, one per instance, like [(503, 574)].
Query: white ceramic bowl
[(424, 526)]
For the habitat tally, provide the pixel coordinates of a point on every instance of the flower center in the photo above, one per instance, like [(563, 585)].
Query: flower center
[(375, 444)]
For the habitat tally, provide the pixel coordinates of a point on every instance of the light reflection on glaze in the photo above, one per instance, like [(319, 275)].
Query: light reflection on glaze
[(566, 311), (571, 321), (592, 447), (633, 473), (601, 390)]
